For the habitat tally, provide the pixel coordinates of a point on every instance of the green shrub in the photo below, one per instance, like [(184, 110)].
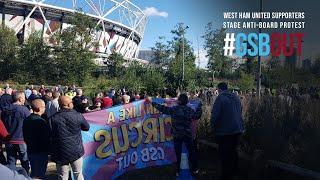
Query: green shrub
[(287, 130)]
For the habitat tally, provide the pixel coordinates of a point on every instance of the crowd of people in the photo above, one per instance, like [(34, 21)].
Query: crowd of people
[(35, 124), (209, 95), (47, 122), (82, 103)]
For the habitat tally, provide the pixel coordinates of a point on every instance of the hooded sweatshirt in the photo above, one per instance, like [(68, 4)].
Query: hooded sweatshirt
[(13, 116), (5, 101), (226, 115)]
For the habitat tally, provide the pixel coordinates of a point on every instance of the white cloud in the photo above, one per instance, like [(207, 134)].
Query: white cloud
[(152, 11)]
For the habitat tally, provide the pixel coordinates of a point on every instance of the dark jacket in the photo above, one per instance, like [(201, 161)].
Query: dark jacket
[(5, 100), (226, 116), (33, 97), (78, 105), (181, 118), (36, 134), (13, 117), (46, 99), (66, 126)]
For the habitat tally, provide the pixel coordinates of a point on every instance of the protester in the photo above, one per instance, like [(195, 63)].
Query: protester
[(182, 116), (34, 95), (80, 102), (36, 133), (74, 88), (97, 106), (98, 97), (66, 89), (6, 98), (28, 92), (69, 92), (158, 95), (1, 92), (66, 126), (143, 95), (47, 97), (117, 100), (137, 96), (13, 117), (42, 90), (132, 96), (227, 122), (53, 106), (59, 89), (106, 101), (125, 99), (112, 93)]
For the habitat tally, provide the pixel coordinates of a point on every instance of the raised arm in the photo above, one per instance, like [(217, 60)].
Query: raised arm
[(163, 109)]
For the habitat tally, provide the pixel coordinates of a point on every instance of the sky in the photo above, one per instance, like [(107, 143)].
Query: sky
[(197, 13), (163, 15), (194, 13)]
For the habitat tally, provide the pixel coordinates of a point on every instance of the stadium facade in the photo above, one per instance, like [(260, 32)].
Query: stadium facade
[(122, 23)]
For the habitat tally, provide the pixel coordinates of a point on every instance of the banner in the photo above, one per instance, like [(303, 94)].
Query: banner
[(126, 137)]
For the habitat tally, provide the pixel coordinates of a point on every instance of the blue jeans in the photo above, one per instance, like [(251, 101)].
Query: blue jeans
[(17, 149), (38, 162)]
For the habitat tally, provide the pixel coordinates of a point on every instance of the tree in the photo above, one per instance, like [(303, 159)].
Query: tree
[(160, 53), (138, 68), (8, 50), (35, 63), (153, 80), (273, 63), (115, 65), (246, 81), (130, 80), (174, 76), (214, 41), (316, 66), (282, 76), (202, 78), (271, 72), (75, 61)]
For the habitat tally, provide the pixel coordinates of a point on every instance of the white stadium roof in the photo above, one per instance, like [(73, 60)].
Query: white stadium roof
[(122, 22)]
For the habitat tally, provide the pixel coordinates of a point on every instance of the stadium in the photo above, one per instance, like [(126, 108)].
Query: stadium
[(122, 23)]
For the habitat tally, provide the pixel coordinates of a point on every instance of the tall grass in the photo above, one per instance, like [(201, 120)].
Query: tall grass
[(286, 129)]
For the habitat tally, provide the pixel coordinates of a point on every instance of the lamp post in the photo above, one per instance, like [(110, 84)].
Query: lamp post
[(183, 32), (259, 62)]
